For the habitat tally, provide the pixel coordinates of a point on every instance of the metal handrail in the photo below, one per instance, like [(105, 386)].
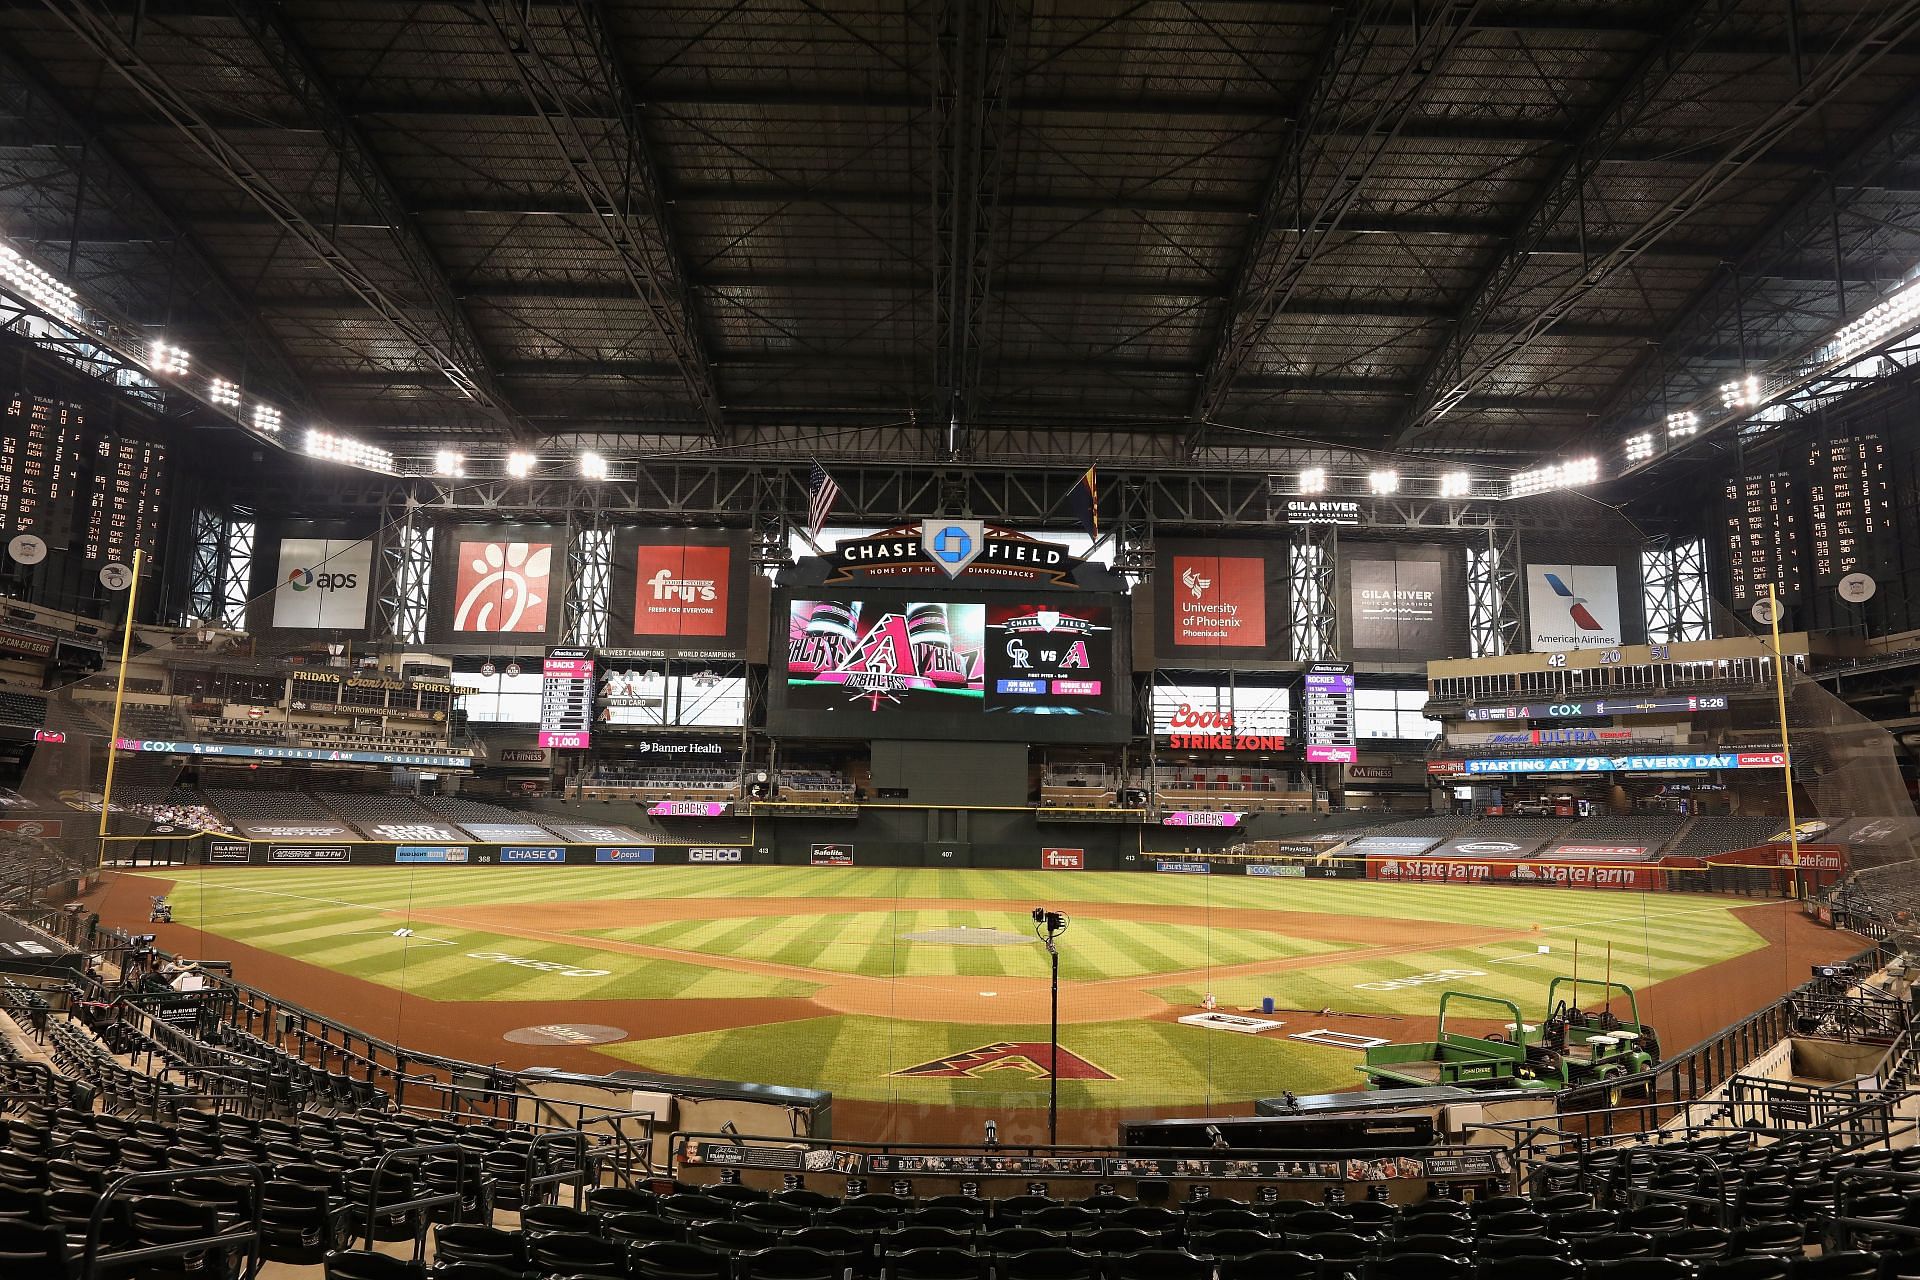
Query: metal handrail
[(434, 1201), (249, 1237)]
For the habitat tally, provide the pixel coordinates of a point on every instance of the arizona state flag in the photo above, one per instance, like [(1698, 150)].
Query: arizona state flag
[(1084, 499)]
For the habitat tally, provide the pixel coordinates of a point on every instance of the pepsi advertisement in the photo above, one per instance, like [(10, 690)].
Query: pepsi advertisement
[(922, 664)]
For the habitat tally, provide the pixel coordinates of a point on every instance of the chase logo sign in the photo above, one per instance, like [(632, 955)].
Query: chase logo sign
[(953, 544)]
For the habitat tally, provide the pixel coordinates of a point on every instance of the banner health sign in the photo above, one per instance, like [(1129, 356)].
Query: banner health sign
[(623, 855), (430, 853)]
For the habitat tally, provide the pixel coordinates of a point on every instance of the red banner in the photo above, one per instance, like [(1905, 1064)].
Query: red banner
[(1813, 857)]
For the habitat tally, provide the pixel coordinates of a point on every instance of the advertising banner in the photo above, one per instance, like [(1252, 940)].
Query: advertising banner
[(1063, 859), (1200, 818), (229, 851), (309, 853), (423, 832), (253, 751), (545, 853), (1219, 600), (430, 853), (496, 581), (294, 829), (679, 592), (832, 855), (716, 855), (1573, 606), (623, 855), (1393, 846), (1472, 846), (502, 832), (323, 584), (1813, 857), (1180, 867), (1190, 728), (593, 832), (688, 809), (1584, 875), (1277, 870), (1401, 603), (1599, 852), (1681, 762)]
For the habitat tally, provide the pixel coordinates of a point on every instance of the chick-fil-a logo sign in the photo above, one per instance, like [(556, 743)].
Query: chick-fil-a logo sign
[(503, 587), (1189, 729)]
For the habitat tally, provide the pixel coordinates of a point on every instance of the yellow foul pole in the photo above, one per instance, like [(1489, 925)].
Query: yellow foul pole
[(1786, 747), (119, 695)]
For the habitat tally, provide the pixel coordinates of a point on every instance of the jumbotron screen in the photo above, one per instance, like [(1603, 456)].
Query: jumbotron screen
[(903, 664)]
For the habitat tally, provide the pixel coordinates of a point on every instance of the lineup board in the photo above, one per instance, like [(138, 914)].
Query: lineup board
[(566, 698), (77, 486), (1849, 509), (1329, 710), (1763, 526)]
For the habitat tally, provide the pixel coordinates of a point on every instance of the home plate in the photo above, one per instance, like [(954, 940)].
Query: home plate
[(1231, 1022)]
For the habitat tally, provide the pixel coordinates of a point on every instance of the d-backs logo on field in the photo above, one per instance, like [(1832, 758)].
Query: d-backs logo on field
[(1024, 1057)]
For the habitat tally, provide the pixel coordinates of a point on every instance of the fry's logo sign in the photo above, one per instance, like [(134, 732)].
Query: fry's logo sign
[(1216, 731)]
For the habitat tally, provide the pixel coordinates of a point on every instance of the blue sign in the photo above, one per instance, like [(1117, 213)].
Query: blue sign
[(532, 853), (1626, 764), (252, 751), (1184, 868), (623, 855), (1030, 687), (430, 853)]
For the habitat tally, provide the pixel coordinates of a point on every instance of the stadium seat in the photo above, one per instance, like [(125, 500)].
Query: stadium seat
[(1048, 1264), (664, 1260), (1234, 1242), (1161, 1264), (733, 1237), (1640, 1269), (1541, 1268), (567, 1254), (786, 1262), (32, 1251), (933, 1264), (605, 1200), (1275, 1264), (1125, 1240), (547, 1219), (371, 1266), (1854, 1264), (640, 1228), (772, 1216), (1417, 1266), (1010, 1240), (460, 1243)]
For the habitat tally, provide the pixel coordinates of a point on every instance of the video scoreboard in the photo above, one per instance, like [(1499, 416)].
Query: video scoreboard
[(77, 486), (1849, 509), (1329, 713)]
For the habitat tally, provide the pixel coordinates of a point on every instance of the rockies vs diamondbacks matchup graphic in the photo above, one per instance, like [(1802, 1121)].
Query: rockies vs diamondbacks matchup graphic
[(1038, 658)]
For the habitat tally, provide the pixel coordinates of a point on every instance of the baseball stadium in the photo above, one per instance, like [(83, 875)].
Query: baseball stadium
[(963, 641)]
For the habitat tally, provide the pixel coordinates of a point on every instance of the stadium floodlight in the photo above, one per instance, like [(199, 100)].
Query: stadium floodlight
[(1456, 484), (164, 357), (1563, 475), (36, 286), (223, 393), (1313, 480), (1898, 311), (593, 466), (331, 447), (1384, 481), (1683, 424), (266, 418), (1640, 447), (449, 462), (520, 465), (1741, 393)]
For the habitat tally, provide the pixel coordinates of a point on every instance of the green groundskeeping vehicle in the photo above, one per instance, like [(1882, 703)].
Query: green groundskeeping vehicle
[(1570, 1047)]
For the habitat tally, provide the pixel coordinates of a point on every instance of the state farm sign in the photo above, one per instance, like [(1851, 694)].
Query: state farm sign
[(1063, 859)]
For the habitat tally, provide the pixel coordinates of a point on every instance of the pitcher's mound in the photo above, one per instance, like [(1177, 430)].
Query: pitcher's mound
[(961, 936)]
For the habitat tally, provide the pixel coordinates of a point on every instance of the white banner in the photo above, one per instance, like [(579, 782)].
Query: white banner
[(1573, 606), (322, 584)]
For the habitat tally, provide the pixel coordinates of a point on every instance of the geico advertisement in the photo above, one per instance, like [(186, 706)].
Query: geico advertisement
[(322, 584)]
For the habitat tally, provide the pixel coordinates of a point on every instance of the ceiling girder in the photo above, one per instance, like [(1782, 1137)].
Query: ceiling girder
[(442, 335), (1302, 193), (626, 208), (1463, 364)]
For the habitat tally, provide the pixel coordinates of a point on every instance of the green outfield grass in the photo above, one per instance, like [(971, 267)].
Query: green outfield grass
[(370, 923)]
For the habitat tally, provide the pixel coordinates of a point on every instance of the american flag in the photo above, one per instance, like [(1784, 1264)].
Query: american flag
[(822, 493)]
